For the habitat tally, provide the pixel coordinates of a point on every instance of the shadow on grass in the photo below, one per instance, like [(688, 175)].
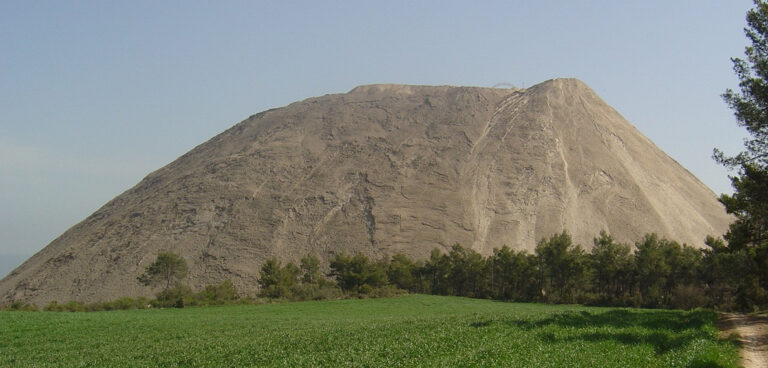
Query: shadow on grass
[(661, 342), (671, 321), (664, 331)]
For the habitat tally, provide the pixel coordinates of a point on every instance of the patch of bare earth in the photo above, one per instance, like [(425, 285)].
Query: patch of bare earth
[(753, 336)]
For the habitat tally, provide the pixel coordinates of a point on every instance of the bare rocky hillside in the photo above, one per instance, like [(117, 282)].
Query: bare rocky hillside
[(380, 170)]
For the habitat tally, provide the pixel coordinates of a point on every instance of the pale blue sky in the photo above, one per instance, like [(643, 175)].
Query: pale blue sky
[(95, 95)]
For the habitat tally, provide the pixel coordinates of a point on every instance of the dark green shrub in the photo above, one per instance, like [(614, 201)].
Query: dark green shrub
[(688, 297), (302, 292), (176, 296), (357, 274), (19, 306), (400, 272), (275, 280), (387, 291), (222, 293), (71, 306)]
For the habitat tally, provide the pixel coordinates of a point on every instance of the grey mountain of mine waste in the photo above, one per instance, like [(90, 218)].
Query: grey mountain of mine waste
[(380, 170)]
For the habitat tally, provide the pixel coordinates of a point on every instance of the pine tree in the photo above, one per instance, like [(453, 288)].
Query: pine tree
[(749, 202)]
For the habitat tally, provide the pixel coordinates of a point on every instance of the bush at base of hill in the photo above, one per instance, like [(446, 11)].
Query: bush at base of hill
[(19, 306)]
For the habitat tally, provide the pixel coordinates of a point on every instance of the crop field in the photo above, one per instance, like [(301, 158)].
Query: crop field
[(409, 331)]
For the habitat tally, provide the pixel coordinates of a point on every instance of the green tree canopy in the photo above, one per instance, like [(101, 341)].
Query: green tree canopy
[(612, 264), (513, 274), (276, 280), (562, 265), (357, 273), (750, 103), (748, 234), (749, 202), (400, 271), (310, 268), (165, 270)]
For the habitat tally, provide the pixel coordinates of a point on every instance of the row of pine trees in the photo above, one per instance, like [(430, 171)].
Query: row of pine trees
[(654, 272)]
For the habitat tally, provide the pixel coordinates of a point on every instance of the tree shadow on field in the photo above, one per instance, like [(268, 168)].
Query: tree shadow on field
[(662, 330), (623, 318)]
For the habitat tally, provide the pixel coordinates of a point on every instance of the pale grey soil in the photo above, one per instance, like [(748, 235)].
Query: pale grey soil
[(753, 336)]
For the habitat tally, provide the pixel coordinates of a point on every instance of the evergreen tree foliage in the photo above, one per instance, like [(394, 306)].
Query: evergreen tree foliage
[(562, 266), (749, 203), (466, 273), (167, 269), (513, 275), (276, 280), (357, 273), (750, 103), (401, 272), (612, 265), (748, 234), (654, 269), (310, 269)]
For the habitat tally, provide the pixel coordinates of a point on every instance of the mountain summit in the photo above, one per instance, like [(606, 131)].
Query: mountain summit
[(380, 170)]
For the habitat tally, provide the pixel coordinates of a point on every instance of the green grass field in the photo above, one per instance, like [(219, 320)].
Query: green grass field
[(408, 331)]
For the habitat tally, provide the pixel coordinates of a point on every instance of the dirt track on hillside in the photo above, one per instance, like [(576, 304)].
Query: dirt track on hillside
[(753, 335)]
